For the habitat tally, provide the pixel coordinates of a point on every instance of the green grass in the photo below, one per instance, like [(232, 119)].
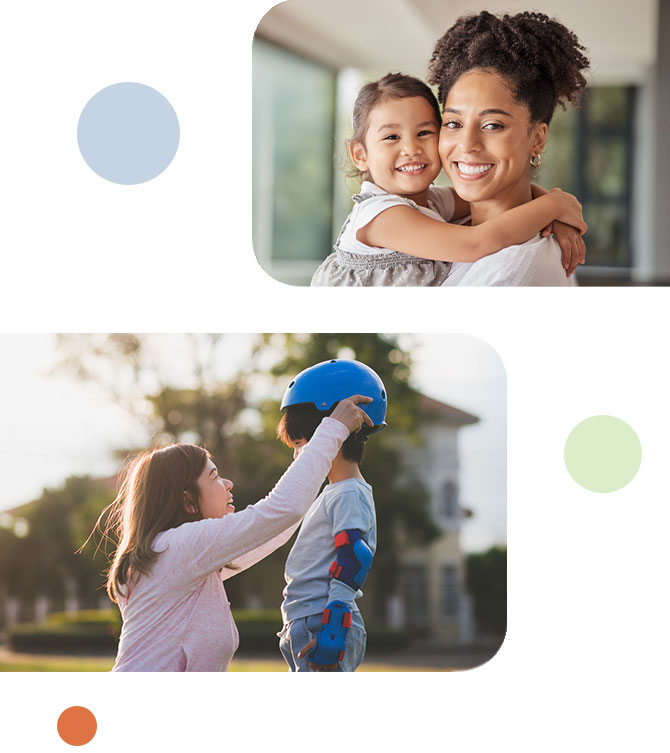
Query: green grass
[(28, 663), (269, 665), (15, 662)]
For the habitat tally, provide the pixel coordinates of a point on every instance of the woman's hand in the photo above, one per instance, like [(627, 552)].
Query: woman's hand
[(349, 414), (315, 667), (569, 210), (573, 250)]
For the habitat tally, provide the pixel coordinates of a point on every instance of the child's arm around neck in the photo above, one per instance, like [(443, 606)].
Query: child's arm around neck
[(405, 229)]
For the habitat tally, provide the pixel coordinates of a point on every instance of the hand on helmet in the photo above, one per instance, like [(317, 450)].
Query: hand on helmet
[(348, 413)]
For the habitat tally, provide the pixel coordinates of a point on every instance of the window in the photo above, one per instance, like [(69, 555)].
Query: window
[(449, 592), (449, 506), (589, 153), (292, 163), (415, 587)]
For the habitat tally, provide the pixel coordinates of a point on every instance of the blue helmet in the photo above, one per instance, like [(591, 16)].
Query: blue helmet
[(328, 382)]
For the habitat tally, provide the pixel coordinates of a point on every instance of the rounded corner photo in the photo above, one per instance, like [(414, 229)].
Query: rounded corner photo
[(252, 503), (400, 151)]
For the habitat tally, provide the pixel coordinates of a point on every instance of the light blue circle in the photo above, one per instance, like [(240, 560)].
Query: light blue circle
[(128, 133)]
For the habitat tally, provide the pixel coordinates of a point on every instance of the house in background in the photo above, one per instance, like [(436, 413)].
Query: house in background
[(311, 56), (433, 602)]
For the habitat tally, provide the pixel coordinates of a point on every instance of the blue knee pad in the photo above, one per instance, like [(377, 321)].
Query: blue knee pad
[(330, 640), (354, 559)]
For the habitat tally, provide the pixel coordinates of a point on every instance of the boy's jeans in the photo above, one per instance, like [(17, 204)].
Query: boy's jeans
[(300, 632)]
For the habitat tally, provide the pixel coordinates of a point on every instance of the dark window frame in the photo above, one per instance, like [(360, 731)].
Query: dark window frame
[(449, 592), (585, 135)]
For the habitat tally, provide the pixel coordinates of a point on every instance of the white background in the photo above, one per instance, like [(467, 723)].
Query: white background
[(585, 664)]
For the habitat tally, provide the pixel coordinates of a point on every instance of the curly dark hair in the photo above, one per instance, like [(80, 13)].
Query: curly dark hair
[(540, 58)]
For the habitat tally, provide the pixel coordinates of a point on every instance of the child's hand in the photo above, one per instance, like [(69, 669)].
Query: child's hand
[(573, 250), (315, 667), (349, 414), (569, 210)]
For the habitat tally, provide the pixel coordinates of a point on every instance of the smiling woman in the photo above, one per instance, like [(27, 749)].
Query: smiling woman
[(214, 492), (500, 80)]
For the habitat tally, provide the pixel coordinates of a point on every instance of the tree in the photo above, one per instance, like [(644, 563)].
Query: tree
[(486, 577), (43, 561)]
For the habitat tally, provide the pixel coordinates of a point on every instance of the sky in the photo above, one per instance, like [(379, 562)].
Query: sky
[(54, 426)]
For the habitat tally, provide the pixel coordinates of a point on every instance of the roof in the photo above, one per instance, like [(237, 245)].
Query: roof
[(434, 409)]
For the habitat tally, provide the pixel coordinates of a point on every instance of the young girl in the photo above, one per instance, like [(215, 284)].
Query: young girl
[(397, 233), (179, 538)]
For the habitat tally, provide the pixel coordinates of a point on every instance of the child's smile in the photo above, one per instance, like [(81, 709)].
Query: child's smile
[(401, 148)]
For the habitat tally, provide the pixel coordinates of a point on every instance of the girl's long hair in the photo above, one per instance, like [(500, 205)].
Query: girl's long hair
[(154, 489)]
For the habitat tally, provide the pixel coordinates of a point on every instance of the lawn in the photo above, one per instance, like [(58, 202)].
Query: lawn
[(10, 662), (15, 662)]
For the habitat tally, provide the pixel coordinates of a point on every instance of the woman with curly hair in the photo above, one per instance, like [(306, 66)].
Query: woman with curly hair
[(499, 80)]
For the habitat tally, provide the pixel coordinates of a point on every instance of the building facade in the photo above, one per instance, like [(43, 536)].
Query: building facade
[(433, 602)]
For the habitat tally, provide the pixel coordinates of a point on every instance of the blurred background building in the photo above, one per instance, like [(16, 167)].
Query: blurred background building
[(434, 600), (310, 57)]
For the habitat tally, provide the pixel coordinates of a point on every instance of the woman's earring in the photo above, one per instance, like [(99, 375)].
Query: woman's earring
[(536, 160)]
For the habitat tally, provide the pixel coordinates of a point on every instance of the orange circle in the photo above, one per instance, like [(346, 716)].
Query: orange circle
[(77, 725)]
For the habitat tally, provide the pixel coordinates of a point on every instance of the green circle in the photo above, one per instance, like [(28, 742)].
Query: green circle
[(603, 453)]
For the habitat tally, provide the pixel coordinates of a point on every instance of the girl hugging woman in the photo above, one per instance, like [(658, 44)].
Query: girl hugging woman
[(500, 81)]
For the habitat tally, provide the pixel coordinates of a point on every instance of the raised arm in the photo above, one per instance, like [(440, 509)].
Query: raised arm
[(405, 229), (208, 545), (245, 561)]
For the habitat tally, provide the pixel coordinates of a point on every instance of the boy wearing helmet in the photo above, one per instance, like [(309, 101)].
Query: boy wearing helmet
[(332, 555)]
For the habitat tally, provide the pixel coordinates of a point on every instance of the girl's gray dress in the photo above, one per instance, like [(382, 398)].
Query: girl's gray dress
[(353, 264)]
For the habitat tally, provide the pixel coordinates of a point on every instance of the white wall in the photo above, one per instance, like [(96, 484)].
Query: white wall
[(383, 35)]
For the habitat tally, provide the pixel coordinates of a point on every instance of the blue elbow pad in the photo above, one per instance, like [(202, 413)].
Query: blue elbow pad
[(354, 559), (331, 639)]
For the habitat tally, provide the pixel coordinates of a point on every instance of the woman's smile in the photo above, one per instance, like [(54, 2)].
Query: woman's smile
[(473, 170)]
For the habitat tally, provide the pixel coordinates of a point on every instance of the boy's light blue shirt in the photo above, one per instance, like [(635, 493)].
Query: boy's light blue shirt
[(340, 507)]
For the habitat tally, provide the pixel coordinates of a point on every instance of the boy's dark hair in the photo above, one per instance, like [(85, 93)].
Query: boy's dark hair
[(391, 86), (540, 58), (300, 422)]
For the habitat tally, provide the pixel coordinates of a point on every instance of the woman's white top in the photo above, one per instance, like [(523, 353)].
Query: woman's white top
[(535, 263)]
